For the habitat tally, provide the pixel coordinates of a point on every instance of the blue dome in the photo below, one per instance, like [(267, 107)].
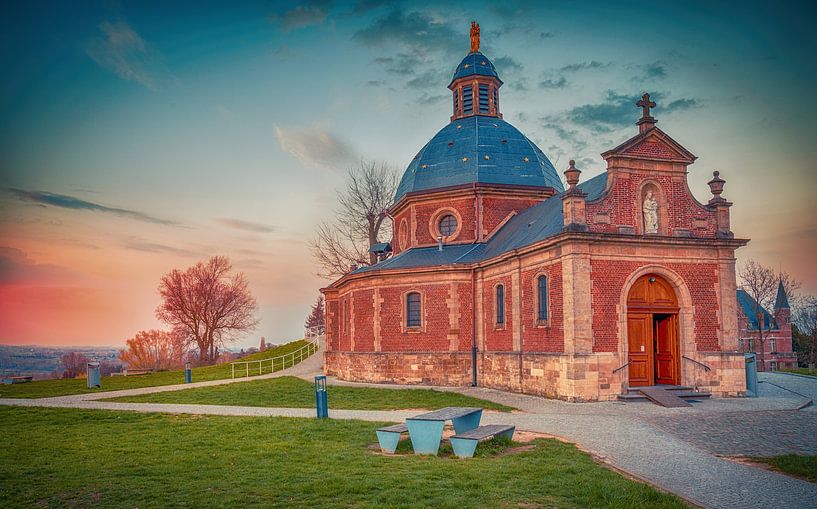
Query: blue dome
[(478, 149), (475, 63)]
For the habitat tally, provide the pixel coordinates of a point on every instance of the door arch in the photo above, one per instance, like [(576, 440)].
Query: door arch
[(653, 340)]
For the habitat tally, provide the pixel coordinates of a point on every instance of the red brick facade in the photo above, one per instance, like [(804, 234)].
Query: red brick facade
[(580, 351)]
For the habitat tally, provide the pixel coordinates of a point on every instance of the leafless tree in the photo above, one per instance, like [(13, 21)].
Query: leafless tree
[(360, 221), (761, 283), (805, 321), (154, 349), (207, 306), (74, 364)]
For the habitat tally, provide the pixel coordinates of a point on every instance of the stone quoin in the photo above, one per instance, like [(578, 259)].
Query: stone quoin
[(502, 278)]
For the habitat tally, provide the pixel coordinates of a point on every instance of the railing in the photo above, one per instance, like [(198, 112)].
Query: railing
[(706, 368), (280, 362), (621, 367)]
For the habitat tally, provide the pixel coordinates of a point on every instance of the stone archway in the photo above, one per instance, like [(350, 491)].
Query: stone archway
[(683, 313)]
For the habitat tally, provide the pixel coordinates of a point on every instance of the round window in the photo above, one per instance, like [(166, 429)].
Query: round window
[(448, 225)]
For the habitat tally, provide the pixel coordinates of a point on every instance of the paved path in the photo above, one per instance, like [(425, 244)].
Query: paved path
[(676, 449)]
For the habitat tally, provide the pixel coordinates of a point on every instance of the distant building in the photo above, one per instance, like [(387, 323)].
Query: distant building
[(502, 277), (778, 348)]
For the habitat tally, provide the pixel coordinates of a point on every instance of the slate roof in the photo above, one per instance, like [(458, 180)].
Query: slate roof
[(478, 149), (530, 226), (782, 300), (475, 63), (747, 304)]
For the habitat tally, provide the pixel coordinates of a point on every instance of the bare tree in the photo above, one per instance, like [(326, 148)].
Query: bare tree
[(207, 306), (805, 321), (316, 320), (360, 221), (761, 284), (74, 364)]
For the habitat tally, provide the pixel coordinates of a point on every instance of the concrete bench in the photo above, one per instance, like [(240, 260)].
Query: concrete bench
[(464, 444), (389, 437)]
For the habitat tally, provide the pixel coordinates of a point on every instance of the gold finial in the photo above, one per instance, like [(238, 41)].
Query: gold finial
[(474, 37)]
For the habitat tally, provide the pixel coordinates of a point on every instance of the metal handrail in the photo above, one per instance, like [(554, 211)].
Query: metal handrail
[(302, 353), (706, 368), (622, 367)]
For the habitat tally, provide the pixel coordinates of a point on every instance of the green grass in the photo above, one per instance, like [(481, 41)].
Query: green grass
[(795, 465), (50, 388), (296, 393), (83, 458), (800, 371)]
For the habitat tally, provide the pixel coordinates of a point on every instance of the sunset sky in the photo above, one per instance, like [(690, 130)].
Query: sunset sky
[(137, 137)]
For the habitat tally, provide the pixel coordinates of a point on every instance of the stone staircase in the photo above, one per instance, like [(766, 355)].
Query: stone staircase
[(681, 391)]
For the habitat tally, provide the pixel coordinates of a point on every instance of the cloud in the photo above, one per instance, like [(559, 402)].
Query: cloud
[(507, 64), (376, 83), (17, 268), (316, 146), (554, 83), (581, 66), (44, 198), (311, 12), (411, 29), (570, 136), (238, 224), (137, 244), (364, 6), (653, 71), (618, 110), (546, 35), (122, 51), (426, 98)]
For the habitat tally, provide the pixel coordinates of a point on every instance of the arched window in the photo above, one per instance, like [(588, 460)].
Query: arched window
[(413, 311), (542, 298), (500, 305)]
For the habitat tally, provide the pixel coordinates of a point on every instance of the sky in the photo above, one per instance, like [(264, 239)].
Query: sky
[(139, 137)]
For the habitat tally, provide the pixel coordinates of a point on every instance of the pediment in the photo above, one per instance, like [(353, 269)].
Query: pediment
[(654, 144)]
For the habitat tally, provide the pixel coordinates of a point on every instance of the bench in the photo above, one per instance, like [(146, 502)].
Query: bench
[(137, 372), (426, 430), (17, 379), (389, 437), (464, 444)]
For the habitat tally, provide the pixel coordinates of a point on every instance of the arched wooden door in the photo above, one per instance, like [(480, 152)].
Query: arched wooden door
[(653, 346)]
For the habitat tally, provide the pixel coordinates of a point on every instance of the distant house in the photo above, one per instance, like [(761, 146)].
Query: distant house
[(777, 350)]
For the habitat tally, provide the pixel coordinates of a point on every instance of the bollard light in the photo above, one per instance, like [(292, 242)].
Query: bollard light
[(321, 403), (188, 373)]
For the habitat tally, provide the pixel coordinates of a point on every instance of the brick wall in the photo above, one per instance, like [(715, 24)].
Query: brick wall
[(498, 338), (607, 282), (496, 209), (622, 207), (537, 337)]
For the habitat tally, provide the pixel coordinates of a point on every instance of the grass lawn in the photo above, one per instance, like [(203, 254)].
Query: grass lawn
[(50, 388), (297, 393), (83, 458), (800, 371), (797, 465)]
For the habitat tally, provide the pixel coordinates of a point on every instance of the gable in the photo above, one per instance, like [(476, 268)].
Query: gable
[(654, 144)]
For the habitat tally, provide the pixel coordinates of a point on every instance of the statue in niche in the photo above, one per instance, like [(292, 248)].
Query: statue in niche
[(650, 209)]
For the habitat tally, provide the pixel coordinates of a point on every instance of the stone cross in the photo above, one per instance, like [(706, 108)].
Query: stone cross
[(645, 105)]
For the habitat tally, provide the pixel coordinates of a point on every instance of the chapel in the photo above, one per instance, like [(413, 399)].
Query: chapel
[(498, 275)]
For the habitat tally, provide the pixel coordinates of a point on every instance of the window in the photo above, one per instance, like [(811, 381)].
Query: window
[(496, 100), (448, 225), (413, 310), (467, 100), (456, 102), (774, 365), (740, 344), (345, 322), (772, 345), (500, 305), (483, 99), (542, 293)]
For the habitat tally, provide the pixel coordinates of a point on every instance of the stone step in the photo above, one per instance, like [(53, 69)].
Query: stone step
[(682, 388), (681, 394)]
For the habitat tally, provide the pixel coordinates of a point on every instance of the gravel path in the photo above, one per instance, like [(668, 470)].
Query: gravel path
[(675, 449)]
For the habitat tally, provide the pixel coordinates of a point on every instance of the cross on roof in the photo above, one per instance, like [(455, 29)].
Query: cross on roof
[(645, 105)]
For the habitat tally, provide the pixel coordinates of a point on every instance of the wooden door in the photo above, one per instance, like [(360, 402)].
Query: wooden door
[(640, 349), (666, 349)]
